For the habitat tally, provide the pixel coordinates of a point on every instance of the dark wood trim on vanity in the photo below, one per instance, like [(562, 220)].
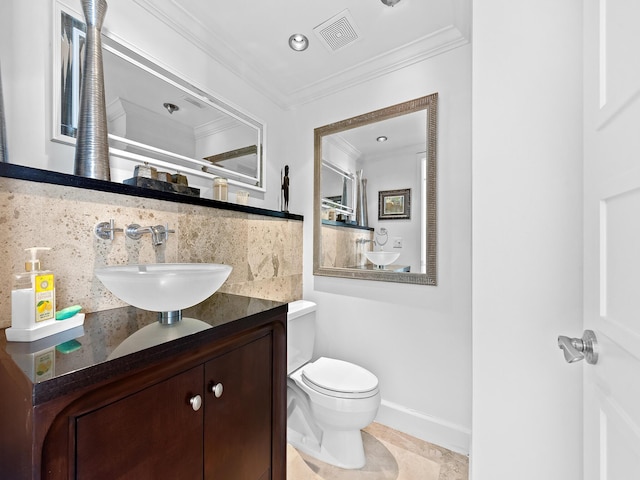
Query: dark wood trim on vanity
[(38, 422)]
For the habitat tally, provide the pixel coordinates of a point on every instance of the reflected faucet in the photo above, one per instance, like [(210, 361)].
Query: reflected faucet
[(159, 233), (362, 241)]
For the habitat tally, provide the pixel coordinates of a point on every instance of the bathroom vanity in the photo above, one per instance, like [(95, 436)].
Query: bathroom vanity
[(210, 404)]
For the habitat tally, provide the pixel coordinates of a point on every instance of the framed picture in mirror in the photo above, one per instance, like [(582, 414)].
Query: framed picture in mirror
[(394, 204)]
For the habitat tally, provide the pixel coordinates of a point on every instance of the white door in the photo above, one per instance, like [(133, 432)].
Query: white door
[(612, 238)]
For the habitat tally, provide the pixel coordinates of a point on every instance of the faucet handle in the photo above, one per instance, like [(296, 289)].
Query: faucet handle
[(106, 230), (167, 231)]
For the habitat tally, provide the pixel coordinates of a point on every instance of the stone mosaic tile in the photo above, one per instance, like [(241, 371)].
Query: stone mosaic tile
[(266, 255)]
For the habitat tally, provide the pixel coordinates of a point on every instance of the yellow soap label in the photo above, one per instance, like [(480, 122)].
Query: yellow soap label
[(44, 364), (45, 297)]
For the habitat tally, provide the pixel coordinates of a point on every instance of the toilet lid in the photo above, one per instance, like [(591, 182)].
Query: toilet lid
[(338, 378)]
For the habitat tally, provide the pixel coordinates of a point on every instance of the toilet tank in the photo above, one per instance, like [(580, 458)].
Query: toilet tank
[(301, 333)]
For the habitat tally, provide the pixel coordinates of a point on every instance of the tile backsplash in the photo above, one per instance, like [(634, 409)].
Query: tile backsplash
[(265, 252), (340, 247)]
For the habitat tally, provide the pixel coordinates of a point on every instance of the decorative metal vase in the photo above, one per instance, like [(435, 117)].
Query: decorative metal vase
[(92, 142), (4, 154), (365, 211), (362, 216)]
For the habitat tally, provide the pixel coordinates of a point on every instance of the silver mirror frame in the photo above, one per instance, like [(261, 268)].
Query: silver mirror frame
[(155, 156), (429, 103)]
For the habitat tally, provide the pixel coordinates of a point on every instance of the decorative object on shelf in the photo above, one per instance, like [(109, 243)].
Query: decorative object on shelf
[(179, 178), (242, 197), (220, 189), (145, 171), (362, 214), (162, 185), (394, 204), (4, 153), (285, 189), (92, 144), (365, 210)]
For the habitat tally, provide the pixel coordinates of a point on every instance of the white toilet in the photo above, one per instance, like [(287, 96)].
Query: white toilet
[(328, 401)]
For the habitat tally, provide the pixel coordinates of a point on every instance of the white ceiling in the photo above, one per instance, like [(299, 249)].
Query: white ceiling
[(250, 38)]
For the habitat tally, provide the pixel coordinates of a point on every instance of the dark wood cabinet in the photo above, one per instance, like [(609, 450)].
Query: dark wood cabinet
[(154, 433), (210, 406), (237, 424)]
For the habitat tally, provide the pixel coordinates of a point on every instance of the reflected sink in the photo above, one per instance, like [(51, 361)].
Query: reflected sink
[(164, 287), (382, 258)]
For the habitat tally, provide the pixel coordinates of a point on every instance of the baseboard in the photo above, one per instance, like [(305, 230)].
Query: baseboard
[(430, 429)]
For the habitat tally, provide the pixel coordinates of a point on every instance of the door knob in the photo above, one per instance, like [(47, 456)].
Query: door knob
[(575, 349)]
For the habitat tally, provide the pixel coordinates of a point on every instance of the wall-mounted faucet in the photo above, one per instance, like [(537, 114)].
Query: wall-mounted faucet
[(362, 241), (159, 233)]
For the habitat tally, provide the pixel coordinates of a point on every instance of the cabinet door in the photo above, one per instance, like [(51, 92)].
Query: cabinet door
[(237, 432), (155, 433)]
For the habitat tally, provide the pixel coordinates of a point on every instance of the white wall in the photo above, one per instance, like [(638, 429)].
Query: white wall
[(27, 76), (417, 339), (527, 239), (398, 171)]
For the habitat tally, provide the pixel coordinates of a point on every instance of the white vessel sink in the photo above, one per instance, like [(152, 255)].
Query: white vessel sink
[(382, 258), (164, 287)]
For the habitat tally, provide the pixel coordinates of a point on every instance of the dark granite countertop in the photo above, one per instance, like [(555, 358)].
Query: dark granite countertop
[(94, 352), (20, 172)]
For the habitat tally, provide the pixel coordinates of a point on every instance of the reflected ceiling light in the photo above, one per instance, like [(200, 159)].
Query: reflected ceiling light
[(382, 138), (298, 42), (171, 107), (390, 3)]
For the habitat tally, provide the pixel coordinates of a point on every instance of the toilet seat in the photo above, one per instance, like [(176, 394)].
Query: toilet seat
[(340, 379)]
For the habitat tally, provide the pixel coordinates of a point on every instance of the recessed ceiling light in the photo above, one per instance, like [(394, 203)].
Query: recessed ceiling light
[(298, 42), (382, 138), (390, 3), (171, 107)]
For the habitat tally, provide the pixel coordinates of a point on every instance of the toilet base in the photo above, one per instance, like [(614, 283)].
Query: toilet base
[(342, 448)]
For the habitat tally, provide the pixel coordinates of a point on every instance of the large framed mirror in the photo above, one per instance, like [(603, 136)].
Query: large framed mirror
[(154, 116), (375, 195)]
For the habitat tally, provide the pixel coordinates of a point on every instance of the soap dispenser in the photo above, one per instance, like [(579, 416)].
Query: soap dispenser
[(33, 303), (33, 299)]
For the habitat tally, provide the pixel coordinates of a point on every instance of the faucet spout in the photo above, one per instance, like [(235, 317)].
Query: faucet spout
[(159, 233)]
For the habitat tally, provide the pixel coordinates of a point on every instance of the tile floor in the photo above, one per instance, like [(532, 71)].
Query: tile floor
[(391, 455)]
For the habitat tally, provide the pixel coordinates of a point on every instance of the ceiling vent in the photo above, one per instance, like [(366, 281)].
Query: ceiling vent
[(194, 102), (338, 32)]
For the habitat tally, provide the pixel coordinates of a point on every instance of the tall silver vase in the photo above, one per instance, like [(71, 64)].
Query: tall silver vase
[(4, 153), (92, 142), (362, 217), (365, 211)]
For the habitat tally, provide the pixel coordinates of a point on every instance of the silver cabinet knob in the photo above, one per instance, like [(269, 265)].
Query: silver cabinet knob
[(217, 389), (196, 402), (576, 349)]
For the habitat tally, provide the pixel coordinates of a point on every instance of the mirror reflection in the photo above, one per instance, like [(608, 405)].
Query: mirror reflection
[(375, 199), (158, 118)]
